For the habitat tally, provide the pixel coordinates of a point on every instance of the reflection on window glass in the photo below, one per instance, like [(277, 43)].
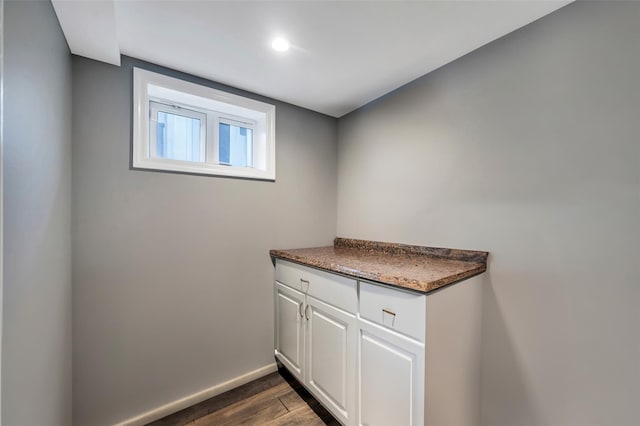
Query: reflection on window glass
[(236, 145), (178, 137)]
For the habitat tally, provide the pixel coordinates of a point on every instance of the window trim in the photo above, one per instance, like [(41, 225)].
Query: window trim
[(258, 116)]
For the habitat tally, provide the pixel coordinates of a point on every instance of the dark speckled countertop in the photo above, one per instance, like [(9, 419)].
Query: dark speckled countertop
[(416, 268)]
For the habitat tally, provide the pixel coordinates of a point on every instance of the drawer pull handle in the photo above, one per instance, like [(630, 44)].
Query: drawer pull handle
[(300, 309), (304, 284), (387, 311)]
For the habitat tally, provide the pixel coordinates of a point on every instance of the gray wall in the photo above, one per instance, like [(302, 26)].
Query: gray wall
[(172, 277), (36, 347), (527, 148)]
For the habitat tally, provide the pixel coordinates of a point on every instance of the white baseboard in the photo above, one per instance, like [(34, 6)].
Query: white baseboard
[(188, 401)]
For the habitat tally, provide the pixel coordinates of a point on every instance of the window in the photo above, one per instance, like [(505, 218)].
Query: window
[(184, 127)]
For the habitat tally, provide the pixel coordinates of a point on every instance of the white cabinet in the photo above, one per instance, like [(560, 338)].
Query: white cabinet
[(315, 334), (391, 371), (376, 355), (290, 329), (391, 364), (419, 355), (331, 358)]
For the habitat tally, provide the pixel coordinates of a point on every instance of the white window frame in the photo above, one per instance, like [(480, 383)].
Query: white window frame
[(156, 106), (218, 107), (233, 121)]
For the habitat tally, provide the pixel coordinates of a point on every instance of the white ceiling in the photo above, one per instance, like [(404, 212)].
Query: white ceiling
[(344, 53)]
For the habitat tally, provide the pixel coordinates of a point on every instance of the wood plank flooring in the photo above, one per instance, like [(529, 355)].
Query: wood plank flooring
[(274, 400)]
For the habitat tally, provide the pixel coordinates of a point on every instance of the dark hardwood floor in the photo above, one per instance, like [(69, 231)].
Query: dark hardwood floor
[(274, 400)]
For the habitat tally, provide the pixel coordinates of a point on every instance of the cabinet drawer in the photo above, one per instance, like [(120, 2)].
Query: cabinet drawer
[(290, 274), (398, 310), (333, 289)]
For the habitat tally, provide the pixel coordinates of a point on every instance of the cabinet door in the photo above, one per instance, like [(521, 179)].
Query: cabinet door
[(391, 372), (331, 358), (289, 328)]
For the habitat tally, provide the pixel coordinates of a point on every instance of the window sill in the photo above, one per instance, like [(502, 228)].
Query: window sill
[(205, 169)]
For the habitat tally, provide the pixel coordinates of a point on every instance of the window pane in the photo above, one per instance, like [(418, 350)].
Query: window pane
[(236, 145), (178, 137)]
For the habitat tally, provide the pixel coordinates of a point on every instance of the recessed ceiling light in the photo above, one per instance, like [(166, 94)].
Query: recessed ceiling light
[(280, 44)]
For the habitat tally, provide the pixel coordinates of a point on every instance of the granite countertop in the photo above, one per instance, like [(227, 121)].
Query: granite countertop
[(417, 268)]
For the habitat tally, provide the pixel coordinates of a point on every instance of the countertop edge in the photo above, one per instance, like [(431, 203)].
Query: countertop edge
[(412, 285)]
